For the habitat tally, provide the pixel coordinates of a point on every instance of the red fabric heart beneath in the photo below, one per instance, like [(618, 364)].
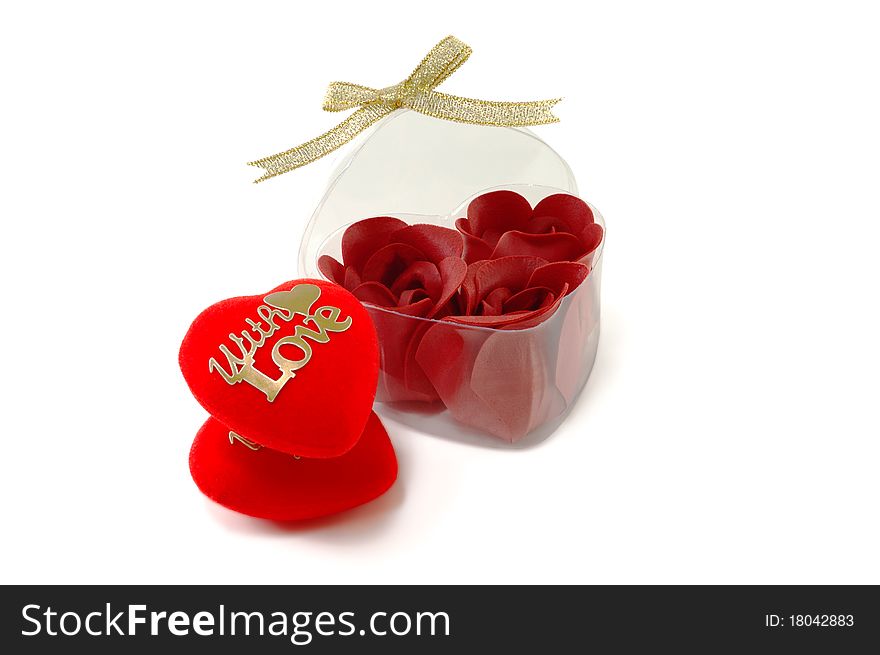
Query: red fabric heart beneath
[(322, 409), (273, 485)]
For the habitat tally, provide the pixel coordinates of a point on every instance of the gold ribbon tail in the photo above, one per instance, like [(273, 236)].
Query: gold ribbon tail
[(322, 145), (484, 112), (416, 92)]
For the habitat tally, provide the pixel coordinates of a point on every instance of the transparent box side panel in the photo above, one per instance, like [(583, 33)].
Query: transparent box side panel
[(417, 165), (461, 381)]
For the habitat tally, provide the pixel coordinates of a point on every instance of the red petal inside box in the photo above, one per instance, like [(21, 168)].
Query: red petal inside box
[(436, 243), (364, 238), (564, 211), (553, 246), (496, 212)]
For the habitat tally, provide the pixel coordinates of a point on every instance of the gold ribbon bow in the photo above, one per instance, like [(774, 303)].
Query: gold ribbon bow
[(417, 93)]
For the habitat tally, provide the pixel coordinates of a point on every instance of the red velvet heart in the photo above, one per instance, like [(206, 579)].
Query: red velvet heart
[(273, 485), (294, 369)]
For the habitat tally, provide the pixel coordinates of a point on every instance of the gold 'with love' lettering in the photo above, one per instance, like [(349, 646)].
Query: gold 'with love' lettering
[(251, 445), (283, 306)]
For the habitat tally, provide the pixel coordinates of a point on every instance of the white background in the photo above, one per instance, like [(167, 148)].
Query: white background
[(729, 432)]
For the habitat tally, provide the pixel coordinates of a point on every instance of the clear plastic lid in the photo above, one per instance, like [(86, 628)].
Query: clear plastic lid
[(422, 167)]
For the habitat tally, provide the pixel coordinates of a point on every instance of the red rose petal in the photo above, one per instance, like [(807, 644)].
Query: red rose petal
[(419, 275), (535, 297), (419, 308), (352, 279), (531, 319), (475, 379), (446, 355), (497, 322), (512, 272), (510, 377), (493, 303), (449, 309), (414, 384), (521, 320), (452, 273), (570, 209), (388, 263), (545, 224), (475, 249), (463, 225), (498, 211), (469, 287), (437, 243), (554, 247), (331, 269), (396, 330), (415, 380), (365, 237), (557, 274), (411, 296), (592, 237), (375, 293), (486, 321)]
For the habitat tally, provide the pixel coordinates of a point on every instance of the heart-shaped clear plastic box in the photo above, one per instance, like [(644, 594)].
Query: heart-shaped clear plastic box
[(461, 380)]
